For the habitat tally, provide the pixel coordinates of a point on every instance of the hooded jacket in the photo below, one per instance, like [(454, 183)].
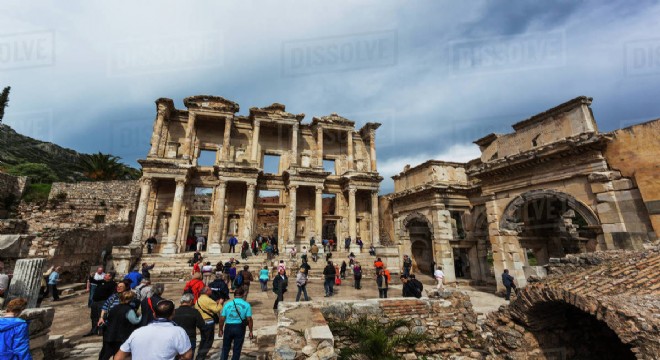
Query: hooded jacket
[(14, 339)]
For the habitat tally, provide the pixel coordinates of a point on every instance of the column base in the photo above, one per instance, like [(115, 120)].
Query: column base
[(214, 249), (169, 249)]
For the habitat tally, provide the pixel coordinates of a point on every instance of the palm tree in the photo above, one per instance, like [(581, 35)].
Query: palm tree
[(373, 340), (99, 167)]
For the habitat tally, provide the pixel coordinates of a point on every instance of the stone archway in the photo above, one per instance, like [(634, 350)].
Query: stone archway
[(420, 232)]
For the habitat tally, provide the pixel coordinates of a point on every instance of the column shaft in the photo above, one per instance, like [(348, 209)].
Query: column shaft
[(249, 208), (155, 137), (218, 219), (141, 214), (375, 223), (372, 149), (318, 213), (294, 144), (255, 140), (352, 221), (173, 229), (349, 158), (292, 214), (188, 145), (319, 146), (226, 138)]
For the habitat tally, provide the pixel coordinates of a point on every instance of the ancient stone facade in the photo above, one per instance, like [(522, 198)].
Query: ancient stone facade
[(207, 166), (554, 186)]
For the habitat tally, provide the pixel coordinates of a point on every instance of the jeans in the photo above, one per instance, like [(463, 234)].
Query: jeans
[(233, 333), (95, 314), (92, 289), (207, 333), (264, 285), (328, 285), (382, 293), (302, 289), (232, 248), (406, 271)]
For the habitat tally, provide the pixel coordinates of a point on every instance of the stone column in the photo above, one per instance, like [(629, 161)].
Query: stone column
[(141, 214), (155, 137), (255, 140), (352, 222), (349, 158), (249, 208), (372, 149), (318, 213), (319, 146), (226, 139), (171, 247), (26, 282), (187, 146), (292, 214), (218, 219), (375, 224), (294, 144)]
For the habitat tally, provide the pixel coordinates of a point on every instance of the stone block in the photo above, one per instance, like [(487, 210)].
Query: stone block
[(598, 188), (318, 334), (614, 228), (606, 197), (622, 184)]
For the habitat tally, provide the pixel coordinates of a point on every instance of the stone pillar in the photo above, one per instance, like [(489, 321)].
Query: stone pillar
[(294, 144), (349, 158), (249, 208), (226, 139), (255, 140), (352, 221), (375, 223), (292, 214), (372, 149), (319, 146), (171, 247), (218, 219), (155, 137), (141, 214), (26, 282), (318, 213), (507, 252), (187, 146)]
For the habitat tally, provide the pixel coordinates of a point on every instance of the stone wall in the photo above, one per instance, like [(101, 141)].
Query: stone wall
[(11, 189), (449, 321)]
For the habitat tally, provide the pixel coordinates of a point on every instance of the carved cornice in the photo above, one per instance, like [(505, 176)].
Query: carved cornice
[(211, 102)]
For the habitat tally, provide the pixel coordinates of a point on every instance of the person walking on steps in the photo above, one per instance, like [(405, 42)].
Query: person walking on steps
[(509, 283)]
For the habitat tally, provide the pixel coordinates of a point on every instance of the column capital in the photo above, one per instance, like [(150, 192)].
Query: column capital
[(293, 187), (180, 182), (374, 192), (295, 126), (251, 185), (319, 189), (221, 184), (257, 122), (352, 189), (146, 180)]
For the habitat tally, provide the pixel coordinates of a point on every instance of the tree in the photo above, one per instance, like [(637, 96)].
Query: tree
[(4, 101), (38, 173), (373, 340), (103, 167)]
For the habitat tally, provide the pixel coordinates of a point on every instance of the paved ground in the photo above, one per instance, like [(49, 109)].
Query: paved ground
[(72, 315)]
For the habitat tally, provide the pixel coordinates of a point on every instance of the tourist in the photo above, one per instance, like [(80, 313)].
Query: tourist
[(312, 241), (200, 241), (232, 275), (92, 283), (232, 244), (142, 289), (4, 283), (332, 245), (146, 268), (235, 317), (292, 253), (104, 289), (301, 282), (305, 266), (509, 283), (372, 250), (152, 297), (197, 257), (359, 243), (112, 301), (210, 310), (264, 277), (381, 281), (196, 267), (160, 340), (408, 289), (53, 279), (351, 259), (246, 279), (150, 243), (303, 254), (190, 243), (315, 252), (378, 264), (244, 250), (439, 277), (281, 266), (357, 275), (276, 250), (14, 332), (387, 273), (347, 243), (328, 256), (254, 246), (280, 284), (407, 265), (329, 274), (207, 272), (189, 319), (324, 243), (219, 268), (219, 288), (269, 251), (342, 270), (419, 287), (122, 320), (135, 277), (195, 285)]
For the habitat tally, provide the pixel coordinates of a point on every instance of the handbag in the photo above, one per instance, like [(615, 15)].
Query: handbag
[(214, 316), (244, 322)]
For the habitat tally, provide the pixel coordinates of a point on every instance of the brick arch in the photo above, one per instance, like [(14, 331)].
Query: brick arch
[(507, 222), (419, 217)]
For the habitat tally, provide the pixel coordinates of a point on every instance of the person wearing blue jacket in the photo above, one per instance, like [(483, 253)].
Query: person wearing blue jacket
[(14, 334)]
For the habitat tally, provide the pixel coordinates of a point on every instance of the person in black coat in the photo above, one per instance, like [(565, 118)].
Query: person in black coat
[(280, 284), (508, 282), (122, 320), (219, 288), (189, 318), (329, 274), (148, 305), (104, 289), (409, 289)]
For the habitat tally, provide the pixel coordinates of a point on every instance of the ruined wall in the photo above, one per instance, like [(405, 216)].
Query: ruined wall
[(634, 151), (11, 189), (429, 173)]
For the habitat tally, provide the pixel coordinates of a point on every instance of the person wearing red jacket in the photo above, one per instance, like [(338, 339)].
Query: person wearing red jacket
[(194, 286)]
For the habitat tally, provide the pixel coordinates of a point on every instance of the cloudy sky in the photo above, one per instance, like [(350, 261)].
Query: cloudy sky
[(437, 74)]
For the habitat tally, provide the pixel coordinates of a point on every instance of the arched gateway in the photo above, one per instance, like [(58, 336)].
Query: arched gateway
[(420, 230)]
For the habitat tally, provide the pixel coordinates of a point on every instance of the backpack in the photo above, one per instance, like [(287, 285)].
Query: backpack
[(239, 279)]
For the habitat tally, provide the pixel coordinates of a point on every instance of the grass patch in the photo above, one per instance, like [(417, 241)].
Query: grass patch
[(36, 193)]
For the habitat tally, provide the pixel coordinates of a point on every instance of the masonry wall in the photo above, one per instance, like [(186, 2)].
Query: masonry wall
[(11, 189)]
